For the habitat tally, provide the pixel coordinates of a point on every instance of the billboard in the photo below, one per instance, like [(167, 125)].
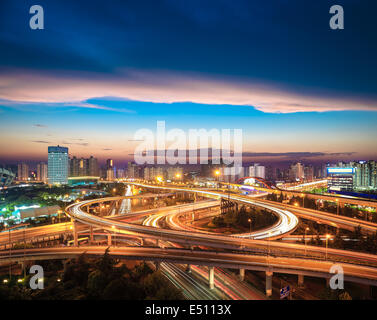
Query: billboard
[(340, 170)]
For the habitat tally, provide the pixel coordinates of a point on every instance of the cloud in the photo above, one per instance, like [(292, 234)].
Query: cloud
[(25, 87), (40, 141), (35, 105), (84, 144), (40, 125), (107, 149), (296, 154)]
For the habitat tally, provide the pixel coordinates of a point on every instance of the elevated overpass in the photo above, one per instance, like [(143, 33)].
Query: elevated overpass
[(270, 265)]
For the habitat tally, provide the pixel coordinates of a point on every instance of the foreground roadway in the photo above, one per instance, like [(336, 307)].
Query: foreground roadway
[(305, 267)]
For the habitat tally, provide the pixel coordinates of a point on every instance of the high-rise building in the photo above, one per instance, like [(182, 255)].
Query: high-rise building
[(42, 170), (22, 172), (174, 173), (296, 172), (309, 173), (121, 173), (109, 164), (340, 178), (74, 165), (365, 176), (93, 170), (151, 173), (132, 171), (57, 165), (83, 167), (257, 170), (110, 174)]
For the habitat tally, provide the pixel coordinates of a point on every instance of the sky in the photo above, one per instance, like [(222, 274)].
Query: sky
[(101, 70)]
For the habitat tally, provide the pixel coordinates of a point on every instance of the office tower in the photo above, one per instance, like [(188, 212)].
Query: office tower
[(57, 165), (23, 172), (42, 172), (257, 170), (340, 178)]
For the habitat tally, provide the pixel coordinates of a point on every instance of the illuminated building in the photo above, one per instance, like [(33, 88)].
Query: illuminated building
[(57, 165), (340, 179), (42, 170), (23, 172)]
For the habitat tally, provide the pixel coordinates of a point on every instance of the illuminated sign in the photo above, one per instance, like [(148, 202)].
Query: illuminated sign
[(341, 170)]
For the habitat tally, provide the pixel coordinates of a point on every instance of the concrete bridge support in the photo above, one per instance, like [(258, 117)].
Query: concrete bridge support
[(242, 274), (269, 283), (157, 264), (75, 235), (300, 281), (91, 235), (211, 277), (109, 238), (188, 268)]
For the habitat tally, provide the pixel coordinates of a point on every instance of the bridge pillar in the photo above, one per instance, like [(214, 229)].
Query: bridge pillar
[(75, 236), (141, 242), (269, 283), (188, 268), (300, 280), (242, 274), (157, 243), (109, 239), (211, 277), (91, 235), (157, 264)]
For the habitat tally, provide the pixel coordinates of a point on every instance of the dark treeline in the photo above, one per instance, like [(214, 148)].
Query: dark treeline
[(94, 279)]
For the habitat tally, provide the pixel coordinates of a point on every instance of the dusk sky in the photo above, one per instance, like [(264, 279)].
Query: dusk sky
[(101, 70)]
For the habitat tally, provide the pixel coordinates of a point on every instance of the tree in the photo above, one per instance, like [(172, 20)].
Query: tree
[(345, 296), (159, 288)]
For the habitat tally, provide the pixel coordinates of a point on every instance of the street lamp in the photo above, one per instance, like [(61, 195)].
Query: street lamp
[(59, 213), (249, 220), (296, 204), (337, 206), (327, 239), (217, 174)]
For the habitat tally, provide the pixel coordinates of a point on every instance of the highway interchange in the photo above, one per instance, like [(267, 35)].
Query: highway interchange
[(243, 251)]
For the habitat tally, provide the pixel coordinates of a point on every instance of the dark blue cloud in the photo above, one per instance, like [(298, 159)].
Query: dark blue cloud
[(284, 42)]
